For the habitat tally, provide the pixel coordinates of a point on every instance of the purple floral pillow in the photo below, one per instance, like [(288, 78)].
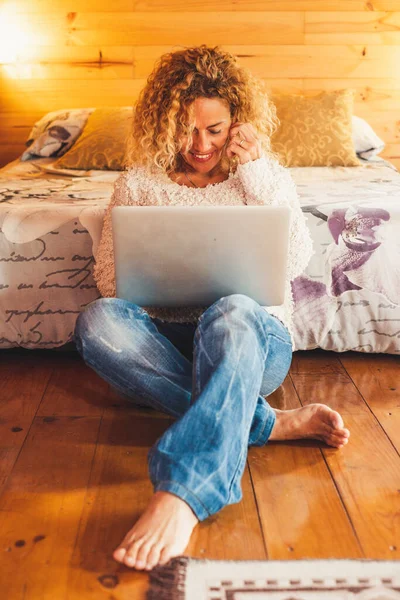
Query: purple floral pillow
[(55, 133)]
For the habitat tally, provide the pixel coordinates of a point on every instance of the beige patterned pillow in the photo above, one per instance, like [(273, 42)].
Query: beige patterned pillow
[(102, 143), (315, 131)]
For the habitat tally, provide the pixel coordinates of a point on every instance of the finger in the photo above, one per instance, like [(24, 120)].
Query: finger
[(248, 132), (236, 129), (236, 147), (232, 149), (249, 147), (245, 130), (253, 130), (249, 144), (242, 153)]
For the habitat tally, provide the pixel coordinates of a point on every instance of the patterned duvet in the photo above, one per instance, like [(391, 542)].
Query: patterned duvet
[(346, 299)]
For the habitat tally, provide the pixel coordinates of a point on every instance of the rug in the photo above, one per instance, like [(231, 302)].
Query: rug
[(185, 578)]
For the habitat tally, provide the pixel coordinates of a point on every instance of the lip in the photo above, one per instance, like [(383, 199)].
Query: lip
[(202, 159)]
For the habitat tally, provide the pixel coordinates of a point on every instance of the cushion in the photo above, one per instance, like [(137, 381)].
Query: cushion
[(366, 142), (55, 132), (102, 144), (315, 131)]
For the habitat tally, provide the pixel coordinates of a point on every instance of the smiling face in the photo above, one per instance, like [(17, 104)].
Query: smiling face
[(212, 123)]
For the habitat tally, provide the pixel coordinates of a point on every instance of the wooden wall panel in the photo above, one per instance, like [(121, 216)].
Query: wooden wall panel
[(352, 27), (196, 27), (267, 62), (79, 53), (43, 6), (140, 28)]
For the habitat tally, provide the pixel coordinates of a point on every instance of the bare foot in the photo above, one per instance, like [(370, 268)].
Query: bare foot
[(312, 421), (162, 532)]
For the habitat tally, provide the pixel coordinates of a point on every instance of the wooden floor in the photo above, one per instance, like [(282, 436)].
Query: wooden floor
[(73, 476)]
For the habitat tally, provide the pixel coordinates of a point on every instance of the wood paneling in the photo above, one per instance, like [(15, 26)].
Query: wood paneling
[(84, 54), (352, 27), (267, 62), (41, 6), (140, 29)]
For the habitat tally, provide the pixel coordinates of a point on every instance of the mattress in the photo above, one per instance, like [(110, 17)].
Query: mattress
[(346, 299)]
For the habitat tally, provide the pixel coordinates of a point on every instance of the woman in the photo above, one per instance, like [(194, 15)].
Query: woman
[(200, 135)]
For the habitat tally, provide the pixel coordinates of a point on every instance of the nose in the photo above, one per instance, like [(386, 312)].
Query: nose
[(201, 143)]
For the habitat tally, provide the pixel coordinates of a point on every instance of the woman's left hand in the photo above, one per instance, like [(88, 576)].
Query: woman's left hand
[(250, 148)]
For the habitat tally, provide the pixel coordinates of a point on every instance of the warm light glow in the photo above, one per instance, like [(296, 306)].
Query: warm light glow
[(16, 40)]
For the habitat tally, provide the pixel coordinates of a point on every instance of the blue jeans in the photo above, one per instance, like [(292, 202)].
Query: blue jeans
[(240, 354)]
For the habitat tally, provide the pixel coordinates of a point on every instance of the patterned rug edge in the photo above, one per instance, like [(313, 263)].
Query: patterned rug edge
[(168, 582)]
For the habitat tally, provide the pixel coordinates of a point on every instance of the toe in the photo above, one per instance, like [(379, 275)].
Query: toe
[(132, 552), (341, 436), (336, 440), (119, 553), (154, 555), (335, 420), (165, 556), (342, 433), (141, 558)]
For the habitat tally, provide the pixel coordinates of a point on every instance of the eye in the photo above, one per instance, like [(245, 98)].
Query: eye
[(215, 132)]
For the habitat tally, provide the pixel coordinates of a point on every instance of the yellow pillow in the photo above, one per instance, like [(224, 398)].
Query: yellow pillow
[(315, 131), (102, 143)]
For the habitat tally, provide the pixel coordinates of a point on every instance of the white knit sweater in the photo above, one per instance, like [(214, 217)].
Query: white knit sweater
[(260, 181)]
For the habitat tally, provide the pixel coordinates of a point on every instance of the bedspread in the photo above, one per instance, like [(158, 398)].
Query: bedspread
[(346, 299)]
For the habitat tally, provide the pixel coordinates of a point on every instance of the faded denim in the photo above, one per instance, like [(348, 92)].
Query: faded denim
[(211, 376)]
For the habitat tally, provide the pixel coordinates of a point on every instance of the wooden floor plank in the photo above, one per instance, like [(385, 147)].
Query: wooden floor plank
[(41, 506), (74, 389), (300, 509), (377, 378), (22, 387), (367, 470), (234, 533), (77, 478), (119, 492)]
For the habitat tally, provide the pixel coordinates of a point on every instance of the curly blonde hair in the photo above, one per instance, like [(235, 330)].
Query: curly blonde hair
[(164, 108)]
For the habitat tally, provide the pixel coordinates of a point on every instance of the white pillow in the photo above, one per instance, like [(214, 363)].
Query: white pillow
[(55, 133), (366, 143)]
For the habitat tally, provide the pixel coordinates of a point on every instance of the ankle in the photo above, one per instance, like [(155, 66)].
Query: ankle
[(276, 429), (164, 495)]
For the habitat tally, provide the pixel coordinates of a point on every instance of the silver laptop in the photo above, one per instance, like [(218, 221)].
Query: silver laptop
[(176, 256)]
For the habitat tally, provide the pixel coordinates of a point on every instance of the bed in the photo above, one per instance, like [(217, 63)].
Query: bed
[(346, 299)]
